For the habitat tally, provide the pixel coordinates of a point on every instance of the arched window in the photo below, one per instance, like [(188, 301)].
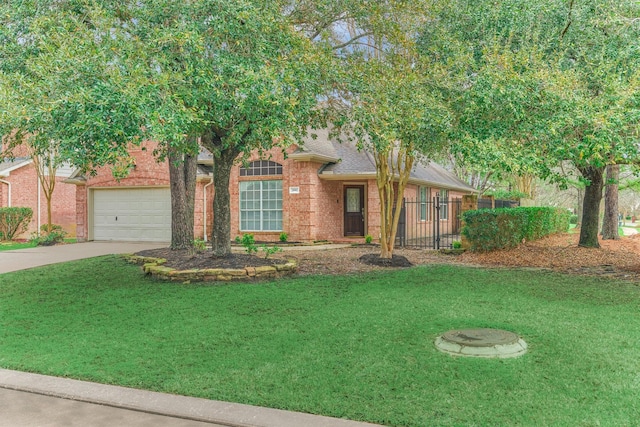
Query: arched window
[(261, 167)]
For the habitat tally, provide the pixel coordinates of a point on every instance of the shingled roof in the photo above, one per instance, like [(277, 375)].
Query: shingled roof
[(6, 166), (343, 160)]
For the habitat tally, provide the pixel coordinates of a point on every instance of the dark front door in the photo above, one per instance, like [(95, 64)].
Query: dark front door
[(354, 210)]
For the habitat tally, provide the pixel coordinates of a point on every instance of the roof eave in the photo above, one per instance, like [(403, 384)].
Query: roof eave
[(416, 181), (312, 157), (80, 180), (6, 172), (330, 176)]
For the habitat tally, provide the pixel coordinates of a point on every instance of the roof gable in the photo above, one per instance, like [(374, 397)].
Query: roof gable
[(7, 166)]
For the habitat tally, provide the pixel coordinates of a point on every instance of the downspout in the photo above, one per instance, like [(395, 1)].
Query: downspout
[(39, 219), (9, 191), (204, 207)]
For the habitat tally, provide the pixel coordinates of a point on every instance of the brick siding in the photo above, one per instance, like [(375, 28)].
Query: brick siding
[(316, 212), (24, 193)]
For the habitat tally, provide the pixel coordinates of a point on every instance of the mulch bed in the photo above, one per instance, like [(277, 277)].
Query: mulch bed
[(184, 259), (394, 261), (615, 259)]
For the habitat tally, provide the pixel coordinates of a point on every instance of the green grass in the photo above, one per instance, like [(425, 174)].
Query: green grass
[(359, 347), (11, 245)]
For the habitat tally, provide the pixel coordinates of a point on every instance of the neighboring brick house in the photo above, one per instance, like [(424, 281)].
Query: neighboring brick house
[(323, 190), (19, 187)]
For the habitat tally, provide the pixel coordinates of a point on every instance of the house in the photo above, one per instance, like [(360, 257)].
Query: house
[(137, 207), (322, 190), (20, 187)]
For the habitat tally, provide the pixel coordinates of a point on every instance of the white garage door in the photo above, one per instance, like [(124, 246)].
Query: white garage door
[(132, 214)]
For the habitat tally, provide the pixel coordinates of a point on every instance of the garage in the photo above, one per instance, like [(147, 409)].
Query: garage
[(132, 214)]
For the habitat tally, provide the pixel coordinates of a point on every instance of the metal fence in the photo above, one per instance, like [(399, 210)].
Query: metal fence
[(429, 224), (486, 203)]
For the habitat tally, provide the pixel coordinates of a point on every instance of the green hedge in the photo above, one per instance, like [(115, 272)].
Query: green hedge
[(14, 221), (489, 229)]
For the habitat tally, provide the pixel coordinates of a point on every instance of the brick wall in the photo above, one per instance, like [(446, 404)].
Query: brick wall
[(201, 209), (148, 172), (316, 212), (24, 193), (296, 216)]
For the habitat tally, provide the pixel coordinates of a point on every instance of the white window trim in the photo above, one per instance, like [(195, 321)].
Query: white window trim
[(426, 202), (240, 210), (444, 201)]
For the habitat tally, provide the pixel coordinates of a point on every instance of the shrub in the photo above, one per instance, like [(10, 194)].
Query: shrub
[(489, 229), (199, 245), (248, 242), (49, 236), (14, 221), (573, 219), (456, 244), (284, 237), (368, 239), (269, 250)]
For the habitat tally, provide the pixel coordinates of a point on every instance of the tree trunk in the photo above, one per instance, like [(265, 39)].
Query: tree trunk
[(610, 222), (49, 212), (182, 176), (591, 206), (221, 235), (580, 198), (223, 159), (386, 170)]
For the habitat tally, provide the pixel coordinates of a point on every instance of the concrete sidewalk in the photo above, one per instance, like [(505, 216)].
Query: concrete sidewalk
[(38, 400), (22, 259)]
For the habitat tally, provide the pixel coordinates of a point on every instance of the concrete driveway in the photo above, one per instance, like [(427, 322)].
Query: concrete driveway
[(22, 259)]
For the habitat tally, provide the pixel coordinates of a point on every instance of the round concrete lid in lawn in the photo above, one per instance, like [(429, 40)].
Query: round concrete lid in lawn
[(481, 343)]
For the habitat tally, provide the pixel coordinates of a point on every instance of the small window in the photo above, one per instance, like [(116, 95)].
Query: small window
[(444, 204), (424, 194), (261, 167)]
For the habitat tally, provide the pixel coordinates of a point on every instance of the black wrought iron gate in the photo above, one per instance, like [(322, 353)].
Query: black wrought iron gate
[(429, 224)]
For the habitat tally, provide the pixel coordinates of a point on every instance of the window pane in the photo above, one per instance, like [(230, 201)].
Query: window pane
[(261, 167), (261, 205), (353, 200)]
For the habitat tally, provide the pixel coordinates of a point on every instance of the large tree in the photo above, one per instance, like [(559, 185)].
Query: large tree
[(44, 88), (550, 80), (235, 75)]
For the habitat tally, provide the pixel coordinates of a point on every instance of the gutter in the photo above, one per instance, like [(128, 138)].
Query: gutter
[(204, 207), (39, 209)]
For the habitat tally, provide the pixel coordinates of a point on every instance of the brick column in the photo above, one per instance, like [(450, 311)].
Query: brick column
[(469, 203), (82, 225)]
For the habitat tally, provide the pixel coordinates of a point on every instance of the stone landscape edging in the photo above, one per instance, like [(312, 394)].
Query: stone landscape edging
[(155, 267)]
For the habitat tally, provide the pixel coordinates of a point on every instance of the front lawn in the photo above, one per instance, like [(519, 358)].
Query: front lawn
[(13, 245), (359, 347)]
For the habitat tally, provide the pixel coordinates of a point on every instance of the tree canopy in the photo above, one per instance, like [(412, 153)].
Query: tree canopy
[(543, 82)]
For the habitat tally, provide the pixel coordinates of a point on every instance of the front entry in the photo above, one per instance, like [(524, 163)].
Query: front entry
[(354, 210)]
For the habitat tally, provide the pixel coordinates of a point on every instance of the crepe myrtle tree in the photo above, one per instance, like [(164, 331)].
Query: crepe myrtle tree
[(383, 98), (395, 117)]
